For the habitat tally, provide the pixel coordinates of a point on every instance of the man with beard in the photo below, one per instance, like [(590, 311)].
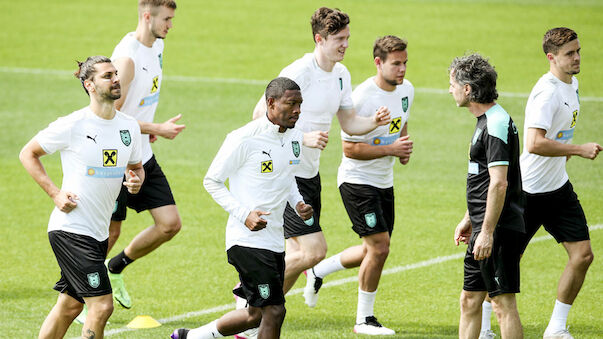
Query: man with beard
[(98, 145)]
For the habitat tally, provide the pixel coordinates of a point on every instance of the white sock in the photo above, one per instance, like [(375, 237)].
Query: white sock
[(366, 301), (207, 331), (328, 266), (486, 315), (559, 317)]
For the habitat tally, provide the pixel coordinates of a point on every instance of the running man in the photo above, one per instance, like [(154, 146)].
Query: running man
[(327, 91), (98, 145), (259, 161), (493, 224), (139, 59), (366, 180)]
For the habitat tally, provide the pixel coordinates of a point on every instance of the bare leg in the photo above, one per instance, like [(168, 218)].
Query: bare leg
[(505, 307), (60, 317), (471, 314), (167, 224), (99, 310), (352, 256), (580, 257), (377, 250), (303, 252), (272, 321), (238, 321)]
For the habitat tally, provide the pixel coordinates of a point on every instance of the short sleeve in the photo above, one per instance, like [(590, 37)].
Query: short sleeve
[(498, 150), (55, 137), (539, 112), (136, 155)]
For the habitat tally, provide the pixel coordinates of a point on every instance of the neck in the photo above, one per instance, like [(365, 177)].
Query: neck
[(565, 77), (103, 109), (478, 109), (143, 34), (384, 85), (281, 129), (323, 62)]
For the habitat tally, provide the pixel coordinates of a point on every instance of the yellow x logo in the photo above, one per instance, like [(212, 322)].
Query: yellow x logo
[(109, 157), (155, 84), (267, 166), (394, 126)]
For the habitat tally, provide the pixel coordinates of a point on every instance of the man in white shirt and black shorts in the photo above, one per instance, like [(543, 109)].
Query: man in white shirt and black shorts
[(139, 59), (326, 88), (552, 112), (98, 145), (259, 161), (366, 180)]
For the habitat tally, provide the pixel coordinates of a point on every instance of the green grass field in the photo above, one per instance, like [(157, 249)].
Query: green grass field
[(217, 61)]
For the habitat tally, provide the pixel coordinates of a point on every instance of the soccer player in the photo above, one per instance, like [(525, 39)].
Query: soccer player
[(258, 160), (493, 224), (139, 59), (326, 87), (98, 145), (366, 180), (551, 115)]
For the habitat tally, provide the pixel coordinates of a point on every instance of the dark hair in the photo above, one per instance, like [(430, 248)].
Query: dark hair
[(86, 69), (326, 21), (277, 87), (156, 3), (557, 37), (475, 71), (387, 44)]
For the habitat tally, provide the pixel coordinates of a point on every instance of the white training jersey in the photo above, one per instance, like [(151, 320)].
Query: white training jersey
[(324, 93), (143, 94), (553, 106), (94, 156), (259, 163), (368, 97)]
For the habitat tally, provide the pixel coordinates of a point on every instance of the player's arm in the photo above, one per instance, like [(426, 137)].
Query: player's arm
[(260, 108), (30, 158), (125, 72), (353, 124), (538, 143), (497, 190), (134, 177), (401, 148)]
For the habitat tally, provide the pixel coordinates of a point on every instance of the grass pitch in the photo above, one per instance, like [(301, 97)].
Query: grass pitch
[(214, 57)]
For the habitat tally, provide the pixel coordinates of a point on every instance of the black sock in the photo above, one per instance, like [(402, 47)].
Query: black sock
[(119, 262)]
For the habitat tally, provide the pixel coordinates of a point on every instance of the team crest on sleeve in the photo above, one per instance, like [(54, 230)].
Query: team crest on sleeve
[(109, 157), (341, 84), (125, 137), (394, 126), (94, 279), (371, 219), (264, 290), (295, 147), (266, 166), (405, 104)]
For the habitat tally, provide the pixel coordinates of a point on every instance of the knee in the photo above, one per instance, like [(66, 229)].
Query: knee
[(73, 310), (254, 317), (314, 256), (381, 251), (469, 303), (171, 227), (101, 310), (277, 312), (583, 259)]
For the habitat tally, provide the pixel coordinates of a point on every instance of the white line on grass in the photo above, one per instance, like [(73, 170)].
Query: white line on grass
[(254, 82), (393, 270)]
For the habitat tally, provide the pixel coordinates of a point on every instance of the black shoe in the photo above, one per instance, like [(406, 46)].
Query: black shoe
[(180, 333)]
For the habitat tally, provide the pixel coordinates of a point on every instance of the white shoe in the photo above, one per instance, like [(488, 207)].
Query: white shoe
[(313, 284), (561, 334), (241, 303), (487, 334), (372, 327)]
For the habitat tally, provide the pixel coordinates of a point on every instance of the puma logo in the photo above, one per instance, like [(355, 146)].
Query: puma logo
[(91, 138), (267, 153), (565, 103)]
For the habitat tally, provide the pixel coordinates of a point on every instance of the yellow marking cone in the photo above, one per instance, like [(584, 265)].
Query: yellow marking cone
[(143, 321)]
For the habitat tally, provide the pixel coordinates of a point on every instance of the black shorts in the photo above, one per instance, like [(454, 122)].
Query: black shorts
[(370, 209), (499, 273), (294, 225), (155, 192), (261, 272), (81, 259), (559, 211)]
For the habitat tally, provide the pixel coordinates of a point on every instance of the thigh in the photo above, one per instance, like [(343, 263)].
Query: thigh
[(501, 270), (81, 259), (261, 273), (310, 190)]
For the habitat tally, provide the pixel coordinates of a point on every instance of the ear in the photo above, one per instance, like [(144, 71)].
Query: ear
[(146, 15), (467, 89), (89, 85), (270, 103), (550, 57), (378, 62), (318, 38)]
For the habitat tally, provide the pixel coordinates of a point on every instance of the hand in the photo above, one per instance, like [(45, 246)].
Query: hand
[(590, 150), (382, 117), (132, 182), (405, 160), (462, 233), (152, 138), (254, 220), (65, 201), (483, 246), (401, 147), (170, 129), (305, 211), (316, 139)]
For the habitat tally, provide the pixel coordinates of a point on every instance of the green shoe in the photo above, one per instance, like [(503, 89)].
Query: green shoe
[(81, 319), (119, 289)]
